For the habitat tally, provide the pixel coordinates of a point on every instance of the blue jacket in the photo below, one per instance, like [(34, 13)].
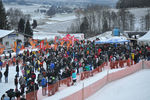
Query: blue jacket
[(44, 82), (1, 63), (52, 65)]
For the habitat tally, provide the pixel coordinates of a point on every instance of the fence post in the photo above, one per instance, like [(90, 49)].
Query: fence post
[(107, 76), (143, 64), (83, 92)]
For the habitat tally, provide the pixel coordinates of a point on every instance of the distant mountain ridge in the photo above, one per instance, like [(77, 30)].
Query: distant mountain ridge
[(105, 2)]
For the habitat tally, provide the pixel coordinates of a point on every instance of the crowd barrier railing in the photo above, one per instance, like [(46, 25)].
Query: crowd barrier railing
[(91, 89)]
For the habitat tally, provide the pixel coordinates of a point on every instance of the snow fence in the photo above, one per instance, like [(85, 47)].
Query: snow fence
[(111, 76)]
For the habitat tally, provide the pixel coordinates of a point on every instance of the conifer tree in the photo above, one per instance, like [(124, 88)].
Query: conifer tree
[(84, 26), (34, 25), (28, 30), (3, 18), (21, 25)]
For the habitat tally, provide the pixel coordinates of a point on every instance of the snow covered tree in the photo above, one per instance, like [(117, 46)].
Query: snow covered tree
[(34, 24), (84, 25), (105, 26), (132, 3), (14, 16), (3, 18), (21, 25), (52, 11), (28, 29)]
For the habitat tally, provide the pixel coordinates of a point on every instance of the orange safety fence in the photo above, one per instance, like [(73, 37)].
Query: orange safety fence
[(32, 95), (91, 89), (52, 89), (121, 63), (146, 64), (122, 73), (66, 81)]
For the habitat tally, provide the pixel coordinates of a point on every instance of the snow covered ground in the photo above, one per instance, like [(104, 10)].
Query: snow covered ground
[(60, 94), (70, 90), (133, 87), (60, 22), (106, 35), (10, 85)]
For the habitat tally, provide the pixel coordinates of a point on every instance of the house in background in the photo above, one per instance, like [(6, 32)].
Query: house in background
[(7, 38)]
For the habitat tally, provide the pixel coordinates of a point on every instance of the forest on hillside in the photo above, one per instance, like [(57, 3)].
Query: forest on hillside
[(133, 3)]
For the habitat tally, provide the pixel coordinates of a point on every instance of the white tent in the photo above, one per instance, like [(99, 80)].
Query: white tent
[(114, 39), (145, 38)]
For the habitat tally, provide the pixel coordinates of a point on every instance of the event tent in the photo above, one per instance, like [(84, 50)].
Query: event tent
[(113, 40), (145, 38)]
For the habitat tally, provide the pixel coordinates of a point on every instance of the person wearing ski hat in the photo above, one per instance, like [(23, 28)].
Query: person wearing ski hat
[(74, 76)]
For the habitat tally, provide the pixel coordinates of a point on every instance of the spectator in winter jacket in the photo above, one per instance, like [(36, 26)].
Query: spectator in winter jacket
[(11, 94), (1, 76), (1, 64), (16, 82), (7, 67), (6, 76), (39, 79), (17, 92), (44, 84), (17, 70), (22, 84), (36, 88), (33, 76), (74, 76), (9, 54)]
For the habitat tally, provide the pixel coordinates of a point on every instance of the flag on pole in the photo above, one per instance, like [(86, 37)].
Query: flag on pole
[(42, 44), (72, 41), (18, 48), (2, 48), (55, 39)]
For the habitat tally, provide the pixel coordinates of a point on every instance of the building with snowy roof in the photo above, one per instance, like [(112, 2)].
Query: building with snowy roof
[(8, 37)]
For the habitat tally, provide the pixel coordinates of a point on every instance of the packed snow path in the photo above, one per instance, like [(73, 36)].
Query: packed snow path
[(11, 75), (133, 87)]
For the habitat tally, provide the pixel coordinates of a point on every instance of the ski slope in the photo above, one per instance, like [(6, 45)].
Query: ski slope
[(133, 87)]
